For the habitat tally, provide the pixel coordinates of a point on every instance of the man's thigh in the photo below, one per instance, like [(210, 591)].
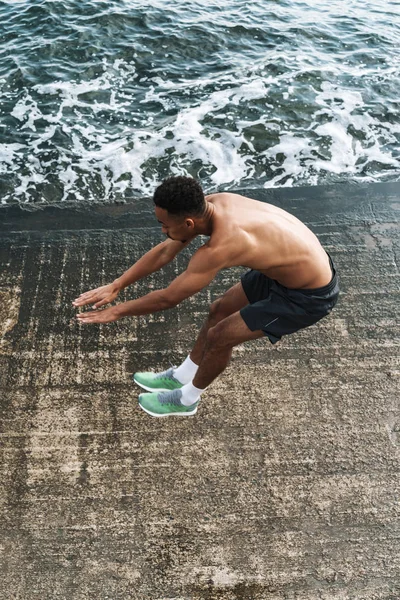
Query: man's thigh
[(233, 300), (232, 331)]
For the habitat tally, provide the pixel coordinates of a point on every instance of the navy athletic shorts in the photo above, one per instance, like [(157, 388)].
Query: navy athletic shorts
[(277, 310)]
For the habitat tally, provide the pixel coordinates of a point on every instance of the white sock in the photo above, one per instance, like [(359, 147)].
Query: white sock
[(186, 371), (190, 394)]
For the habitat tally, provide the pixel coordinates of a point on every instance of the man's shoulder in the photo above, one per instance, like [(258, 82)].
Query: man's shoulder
[(221, 196), (209, 256)]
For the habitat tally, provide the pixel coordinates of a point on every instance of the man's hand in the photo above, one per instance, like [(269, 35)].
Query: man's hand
[(99, 316), (99, 296)]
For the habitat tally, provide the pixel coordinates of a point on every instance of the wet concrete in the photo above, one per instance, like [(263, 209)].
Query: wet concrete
[(286, 483)]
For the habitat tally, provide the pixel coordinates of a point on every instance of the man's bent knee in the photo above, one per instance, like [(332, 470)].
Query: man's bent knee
[(217, 312), (216, 337)]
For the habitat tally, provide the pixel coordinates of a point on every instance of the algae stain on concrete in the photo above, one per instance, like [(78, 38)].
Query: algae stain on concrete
[(84, 475)]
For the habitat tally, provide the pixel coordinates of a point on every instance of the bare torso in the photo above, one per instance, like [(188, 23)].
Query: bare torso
[(261, 236)]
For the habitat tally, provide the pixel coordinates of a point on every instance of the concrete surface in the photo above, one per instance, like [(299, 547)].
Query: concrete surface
[(286, 483)]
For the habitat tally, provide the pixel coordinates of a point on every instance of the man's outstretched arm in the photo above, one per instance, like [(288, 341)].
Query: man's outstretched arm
[(152, 261), (200, 272)]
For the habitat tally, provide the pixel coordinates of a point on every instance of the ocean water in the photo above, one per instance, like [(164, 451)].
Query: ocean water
[(99, 101)]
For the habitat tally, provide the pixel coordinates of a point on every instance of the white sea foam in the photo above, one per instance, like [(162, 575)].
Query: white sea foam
[(345, 153), (213, 121), (294, 149), (218, 149), (8, 154)]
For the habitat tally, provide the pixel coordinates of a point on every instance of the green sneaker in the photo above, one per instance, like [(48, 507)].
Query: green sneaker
[(162, 382), (165, 404)]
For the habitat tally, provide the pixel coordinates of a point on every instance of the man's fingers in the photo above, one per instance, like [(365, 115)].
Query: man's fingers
[(88, 317), (101, 303), (98, 297), (85, 315), (86, 300), (87, 295), (81, 301), (97, 316), (78, 302)]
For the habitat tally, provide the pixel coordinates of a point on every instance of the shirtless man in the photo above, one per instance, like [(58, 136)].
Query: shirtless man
[(291, 284)]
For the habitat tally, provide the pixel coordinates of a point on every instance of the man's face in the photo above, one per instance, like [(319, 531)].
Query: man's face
[(176, 228)]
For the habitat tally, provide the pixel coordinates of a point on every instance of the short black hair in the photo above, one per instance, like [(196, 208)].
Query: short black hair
[(181, 196)]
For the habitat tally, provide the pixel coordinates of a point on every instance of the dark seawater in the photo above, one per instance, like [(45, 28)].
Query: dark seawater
[(99, 101)]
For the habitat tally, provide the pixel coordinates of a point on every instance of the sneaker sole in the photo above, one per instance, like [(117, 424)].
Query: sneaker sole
[(149, 389), (177, 414)]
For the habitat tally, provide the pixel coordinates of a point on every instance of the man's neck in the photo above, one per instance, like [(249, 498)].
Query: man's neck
[(205, 225)]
